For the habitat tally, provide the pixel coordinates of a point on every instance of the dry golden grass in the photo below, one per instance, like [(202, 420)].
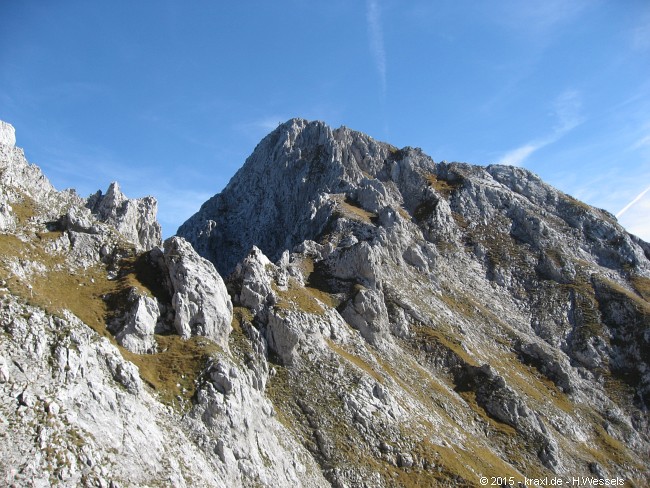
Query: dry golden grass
[(584, 299), (136, 271), (25, 210), (94, 299), (315, 282), (642, 286), (529, 382), (402, 211), (355, 360), (58, 288), (444, 187), (309, 298), (351, 210), (238, 342), (297, 298), (639, 302), (172, 371), (279, 391)]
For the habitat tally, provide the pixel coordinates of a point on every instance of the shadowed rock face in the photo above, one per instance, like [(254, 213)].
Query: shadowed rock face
[(385, 321)]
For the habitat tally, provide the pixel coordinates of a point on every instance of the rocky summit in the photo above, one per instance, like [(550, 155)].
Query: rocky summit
[(344, 313)]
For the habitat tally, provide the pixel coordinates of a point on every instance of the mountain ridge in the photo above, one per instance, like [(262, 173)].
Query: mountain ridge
[(414, 324), (345, 167)]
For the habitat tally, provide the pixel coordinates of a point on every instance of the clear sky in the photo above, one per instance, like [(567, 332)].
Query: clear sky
[(169, 97)]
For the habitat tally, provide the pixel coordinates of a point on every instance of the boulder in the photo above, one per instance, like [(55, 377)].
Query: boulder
[(199, 296), (367, 313), (4, 370), (137, 327)]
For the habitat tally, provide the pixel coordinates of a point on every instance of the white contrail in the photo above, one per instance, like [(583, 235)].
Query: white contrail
[(376, 38), (627, 207)]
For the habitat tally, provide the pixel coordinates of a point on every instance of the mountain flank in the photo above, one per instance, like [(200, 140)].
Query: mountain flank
[(344, 313)]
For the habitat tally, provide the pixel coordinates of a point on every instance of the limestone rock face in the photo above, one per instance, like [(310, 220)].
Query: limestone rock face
[(289, 199), (234, 420), (135, 330), (190, 300), (380, 269), (385, 320), (18, 177), (367, 313), (7, 134), (255, 280), (135, 219), (199, 297), (78, 277)]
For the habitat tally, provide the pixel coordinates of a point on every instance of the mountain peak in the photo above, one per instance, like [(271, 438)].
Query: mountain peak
[(385, 320), (291, 186), (7, 134), (284, 184), (460, 265)]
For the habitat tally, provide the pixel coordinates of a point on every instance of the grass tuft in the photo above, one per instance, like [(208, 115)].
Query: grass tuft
[(642, 286), (94, 299), (444, 187), (348, 208), (355, 360), (24, 210), (172, 371), (296, 297)]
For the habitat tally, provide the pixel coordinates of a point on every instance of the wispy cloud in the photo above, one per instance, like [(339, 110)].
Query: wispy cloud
[(568, 108), (376, 40), (517, 156), (537, 19), (567, 111), (258, 128), (642, 142), (641, 33), (642, 139)]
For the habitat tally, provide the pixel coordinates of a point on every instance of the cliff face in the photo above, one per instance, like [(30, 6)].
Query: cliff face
[(459, 305), (385, 321), (114, 351)]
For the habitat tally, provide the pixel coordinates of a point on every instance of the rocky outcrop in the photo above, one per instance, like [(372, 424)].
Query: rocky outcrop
[(81, 415), (191, 300), (385, 321), (7, 134), (367, 313), (488, 278), (199, 298), (253, 277), (181, 411), (236, 422), (21, 182), (133, 218), (290, 199), (135, 330)]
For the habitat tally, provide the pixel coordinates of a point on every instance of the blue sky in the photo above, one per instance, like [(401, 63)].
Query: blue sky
[(169, 97)]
